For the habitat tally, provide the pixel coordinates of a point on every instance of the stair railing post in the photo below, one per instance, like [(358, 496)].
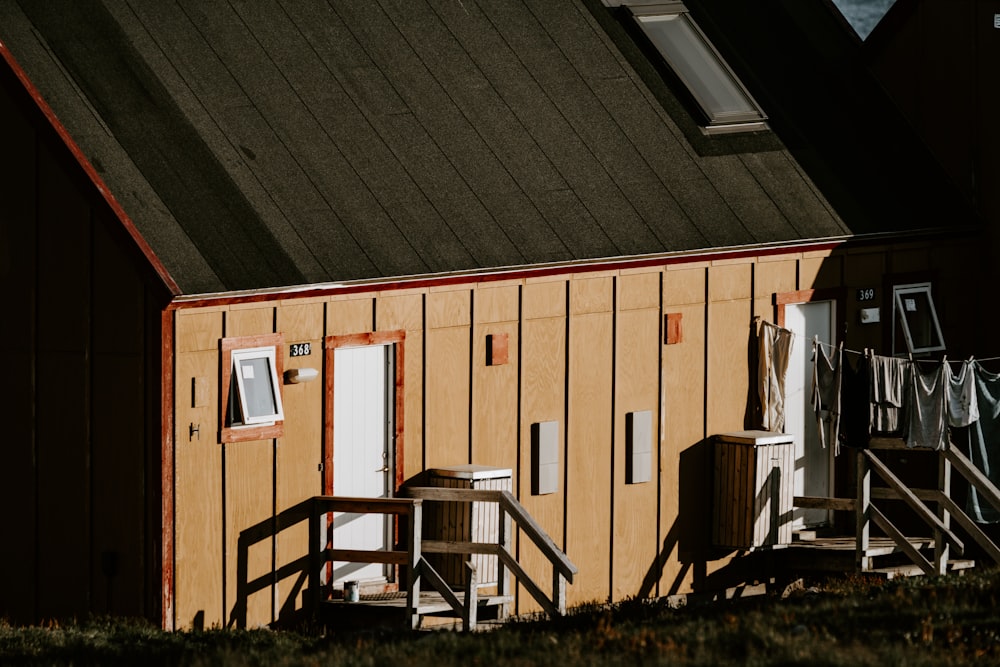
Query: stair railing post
[(315, 563), (471, 609), (503, 574), (942, 549), (862, 515), (415, 520), (558, 591)]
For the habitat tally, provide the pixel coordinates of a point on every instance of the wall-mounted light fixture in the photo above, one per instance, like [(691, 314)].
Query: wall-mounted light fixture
[(300, 375)]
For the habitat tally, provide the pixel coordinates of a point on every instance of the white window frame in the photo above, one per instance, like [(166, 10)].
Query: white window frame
[(268, 354), (752, 118), (898, 315)]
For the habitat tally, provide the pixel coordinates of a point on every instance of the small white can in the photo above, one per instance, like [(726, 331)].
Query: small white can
[(351, 592)]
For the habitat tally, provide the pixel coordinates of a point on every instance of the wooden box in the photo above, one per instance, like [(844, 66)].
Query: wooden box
[(753, 489), (466, 522)]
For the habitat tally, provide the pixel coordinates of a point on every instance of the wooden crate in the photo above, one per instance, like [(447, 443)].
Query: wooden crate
[(753, 489), (466, 522)]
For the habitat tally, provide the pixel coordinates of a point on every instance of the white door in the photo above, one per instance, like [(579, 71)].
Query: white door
[(362, 456), (813, 462)]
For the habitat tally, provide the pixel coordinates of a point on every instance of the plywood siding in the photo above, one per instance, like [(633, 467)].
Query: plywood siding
[(495, 387), (198, 538), (589, 432), (299, 450), (448, 387), (637, 384), (543, 399)]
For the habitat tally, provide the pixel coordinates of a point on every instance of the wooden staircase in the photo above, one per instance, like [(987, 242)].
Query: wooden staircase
[(425, 592), (895, 554)]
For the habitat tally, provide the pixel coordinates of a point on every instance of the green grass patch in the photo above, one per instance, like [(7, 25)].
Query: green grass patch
[(923, 621)]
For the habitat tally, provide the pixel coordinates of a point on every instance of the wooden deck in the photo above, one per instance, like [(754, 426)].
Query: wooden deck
[(389, 609), (838, 554)]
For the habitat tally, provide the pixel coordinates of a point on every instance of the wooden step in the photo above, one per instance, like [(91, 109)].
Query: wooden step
[(911, 570)]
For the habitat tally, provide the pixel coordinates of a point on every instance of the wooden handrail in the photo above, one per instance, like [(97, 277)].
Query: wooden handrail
[(912, 500), (974, 476)]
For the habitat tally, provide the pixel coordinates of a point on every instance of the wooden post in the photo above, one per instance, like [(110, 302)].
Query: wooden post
[(862, 513), (471, 609), (503, 574), (415, 518), (942, 548), (315, 563), (558, 591)]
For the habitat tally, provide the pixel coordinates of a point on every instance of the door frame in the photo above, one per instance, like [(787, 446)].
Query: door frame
[(838, 296), (331, 343)]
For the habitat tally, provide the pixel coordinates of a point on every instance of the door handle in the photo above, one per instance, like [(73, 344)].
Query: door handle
[(382, 469)]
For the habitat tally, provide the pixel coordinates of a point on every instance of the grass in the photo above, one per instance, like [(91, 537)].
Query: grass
[(857, 621)]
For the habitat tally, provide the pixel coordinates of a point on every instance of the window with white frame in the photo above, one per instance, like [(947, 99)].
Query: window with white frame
[(254, 396), (914, 320), (718, 92), (250, 383)]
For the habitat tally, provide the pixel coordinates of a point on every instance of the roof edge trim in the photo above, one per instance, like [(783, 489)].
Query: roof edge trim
[(541, 270), (88, 168)]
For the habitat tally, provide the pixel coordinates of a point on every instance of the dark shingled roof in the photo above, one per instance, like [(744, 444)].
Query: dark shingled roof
[(271, 143)]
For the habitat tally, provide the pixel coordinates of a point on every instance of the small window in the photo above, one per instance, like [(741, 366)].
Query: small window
[(914, 316), (723, 100), (251, 388), (254, 397)]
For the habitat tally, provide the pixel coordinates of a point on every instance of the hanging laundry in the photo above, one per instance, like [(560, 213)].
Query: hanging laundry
[(927, 422), (826, 380), (775, 350), (855, 424), (963, 407), (889, 386), (981, 439)]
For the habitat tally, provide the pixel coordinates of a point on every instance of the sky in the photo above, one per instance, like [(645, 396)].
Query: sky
[(863, 14)]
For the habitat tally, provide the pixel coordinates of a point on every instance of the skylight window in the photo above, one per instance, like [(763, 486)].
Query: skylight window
[(863, 15), (715, 88)]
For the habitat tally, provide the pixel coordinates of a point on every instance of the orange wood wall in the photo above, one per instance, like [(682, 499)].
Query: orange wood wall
[(584, 350)]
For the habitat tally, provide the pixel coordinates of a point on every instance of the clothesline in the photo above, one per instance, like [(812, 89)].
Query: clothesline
[(857, 352)]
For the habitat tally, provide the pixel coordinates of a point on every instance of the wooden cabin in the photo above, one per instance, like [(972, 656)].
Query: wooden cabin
[(950, 102), (509, 235)]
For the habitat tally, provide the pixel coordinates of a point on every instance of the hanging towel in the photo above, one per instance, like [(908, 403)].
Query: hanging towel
[(775, 351), (963, 408), (855, 425), (889, 387), (928, 406), (981, 439), (826, 380)]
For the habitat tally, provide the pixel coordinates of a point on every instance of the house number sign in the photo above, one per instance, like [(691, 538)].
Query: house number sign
[(866, 294), (299, 349)]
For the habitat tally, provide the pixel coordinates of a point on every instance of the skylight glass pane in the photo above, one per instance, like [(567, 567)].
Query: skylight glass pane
[(863, 15), (714, 87)]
